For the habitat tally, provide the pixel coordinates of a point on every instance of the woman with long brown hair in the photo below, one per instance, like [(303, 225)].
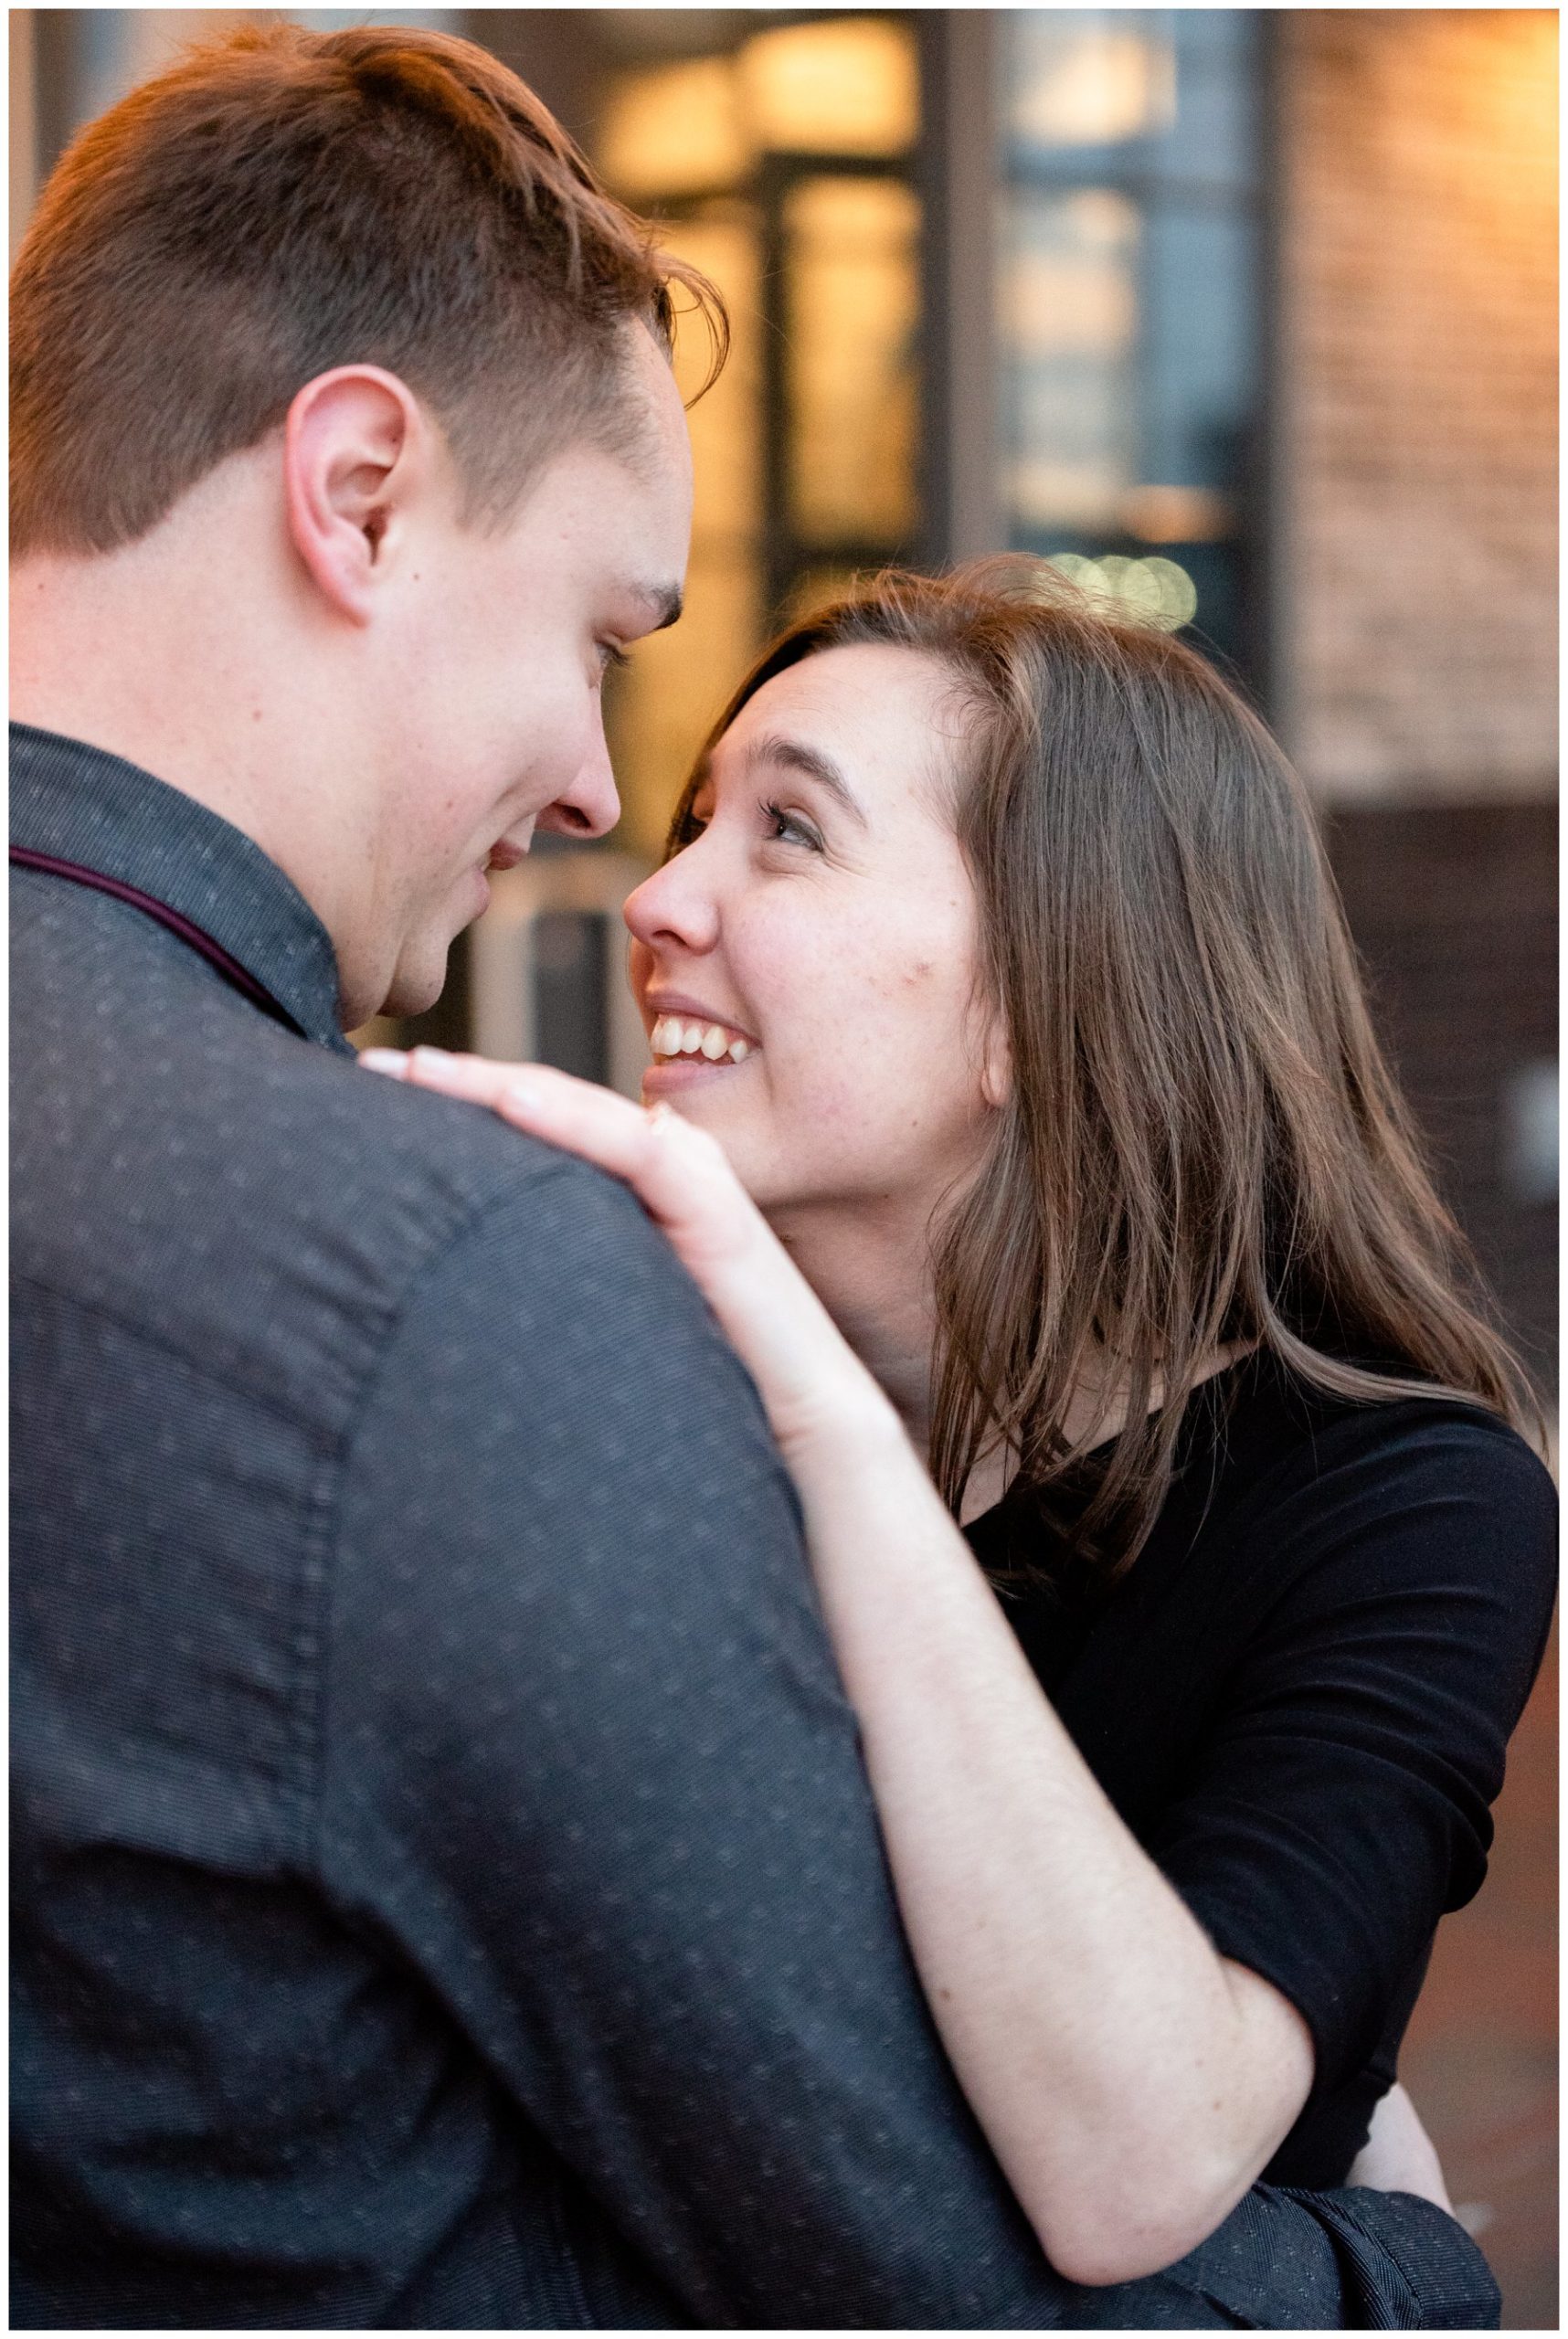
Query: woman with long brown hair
[(1015, 1104)]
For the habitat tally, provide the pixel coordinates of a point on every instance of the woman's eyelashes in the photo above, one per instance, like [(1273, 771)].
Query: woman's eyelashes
[(789, 828), (778, 826)]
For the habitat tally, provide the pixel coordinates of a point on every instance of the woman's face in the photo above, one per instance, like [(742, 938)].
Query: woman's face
[(818, 938)]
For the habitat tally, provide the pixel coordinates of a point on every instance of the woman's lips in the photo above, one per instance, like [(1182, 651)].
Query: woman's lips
[(670, 1075)]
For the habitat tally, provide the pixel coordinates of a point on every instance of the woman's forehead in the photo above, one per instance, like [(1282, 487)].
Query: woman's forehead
[(887, 717)]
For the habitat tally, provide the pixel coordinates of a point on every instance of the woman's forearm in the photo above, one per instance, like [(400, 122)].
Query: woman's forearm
[(1132, 2082)]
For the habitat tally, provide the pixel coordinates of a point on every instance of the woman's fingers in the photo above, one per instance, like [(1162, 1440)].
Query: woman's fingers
[(678, 1172)]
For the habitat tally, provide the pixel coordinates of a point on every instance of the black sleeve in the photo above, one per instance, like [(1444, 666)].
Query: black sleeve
[(1339, 1802)]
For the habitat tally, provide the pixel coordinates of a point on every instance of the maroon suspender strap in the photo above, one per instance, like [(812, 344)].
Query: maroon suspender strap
[(213, 952)]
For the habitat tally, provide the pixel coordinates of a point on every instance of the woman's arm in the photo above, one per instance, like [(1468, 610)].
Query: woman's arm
[(1132, 2082), (1399, 2156)]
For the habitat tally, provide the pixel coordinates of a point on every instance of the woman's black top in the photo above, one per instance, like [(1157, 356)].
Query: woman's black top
[(1298, 1695)]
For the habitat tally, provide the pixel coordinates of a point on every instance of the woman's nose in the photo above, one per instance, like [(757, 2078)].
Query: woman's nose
[(674, 908)]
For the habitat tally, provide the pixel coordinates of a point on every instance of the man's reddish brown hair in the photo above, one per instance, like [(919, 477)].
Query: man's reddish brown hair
[(283, 202)]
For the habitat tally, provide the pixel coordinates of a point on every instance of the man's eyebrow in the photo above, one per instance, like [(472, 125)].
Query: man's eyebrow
[(797, 755)]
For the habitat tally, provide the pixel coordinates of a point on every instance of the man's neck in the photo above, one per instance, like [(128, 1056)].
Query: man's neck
[(155, 660)]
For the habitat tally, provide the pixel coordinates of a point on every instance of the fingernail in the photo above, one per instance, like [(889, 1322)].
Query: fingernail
[(392, 1060)]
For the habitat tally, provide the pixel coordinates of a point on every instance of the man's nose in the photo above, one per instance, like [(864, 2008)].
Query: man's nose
[(590, 805)]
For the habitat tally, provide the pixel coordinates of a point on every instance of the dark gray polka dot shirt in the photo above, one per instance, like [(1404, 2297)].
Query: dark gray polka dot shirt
[(448, 1893)]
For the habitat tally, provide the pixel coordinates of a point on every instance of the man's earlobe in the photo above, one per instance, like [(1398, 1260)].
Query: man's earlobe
[(356, 450)]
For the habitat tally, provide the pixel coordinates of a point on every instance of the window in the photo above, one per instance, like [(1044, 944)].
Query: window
[(784, 164), (1129, 299)]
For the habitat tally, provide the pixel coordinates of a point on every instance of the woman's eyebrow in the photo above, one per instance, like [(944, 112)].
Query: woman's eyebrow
[(812, 764)]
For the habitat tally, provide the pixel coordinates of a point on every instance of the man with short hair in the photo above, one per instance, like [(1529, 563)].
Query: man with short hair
[(448, 1894)]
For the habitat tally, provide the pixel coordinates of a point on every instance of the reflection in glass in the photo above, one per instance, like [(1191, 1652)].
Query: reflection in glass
[(1069, 298), (1200, 337), (1088, 78), (1128, 300), (1176, 89), (853, 246)]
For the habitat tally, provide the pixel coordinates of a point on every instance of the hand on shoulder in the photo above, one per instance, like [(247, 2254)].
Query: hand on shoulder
[(811, 1381)]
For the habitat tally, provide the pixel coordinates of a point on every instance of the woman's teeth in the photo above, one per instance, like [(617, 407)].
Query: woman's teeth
[(673, 1036)]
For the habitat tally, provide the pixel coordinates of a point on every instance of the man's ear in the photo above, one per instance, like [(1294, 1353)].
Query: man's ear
[(357, 452)]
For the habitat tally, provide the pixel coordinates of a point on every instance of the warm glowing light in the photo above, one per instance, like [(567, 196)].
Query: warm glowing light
[(726, 452), (678, 683), (676, 129), (1155, 592), (816, 588), (848, 86), (854, 302), (678, 678), (1090, 87)]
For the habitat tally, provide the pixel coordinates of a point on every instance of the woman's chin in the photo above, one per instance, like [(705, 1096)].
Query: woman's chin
[(713, 1097)]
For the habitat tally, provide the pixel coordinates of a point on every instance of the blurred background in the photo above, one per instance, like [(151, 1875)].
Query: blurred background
[(1245, 318)]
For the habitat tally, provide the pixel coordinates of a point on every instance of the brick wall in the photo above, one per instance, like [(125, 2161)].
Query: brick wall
[(1417, 559), (1415, 662), (1417, 394), (1454, 912)]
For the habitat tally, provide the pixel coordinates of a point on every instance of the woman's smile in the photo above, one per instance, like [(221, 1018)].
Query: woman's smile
[(805, 962), (690, 1044), (981, 986)]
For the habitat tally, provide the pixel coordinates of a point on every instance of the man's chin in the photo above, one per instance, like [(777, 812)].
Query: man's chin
[(419, 975), (417, 982)]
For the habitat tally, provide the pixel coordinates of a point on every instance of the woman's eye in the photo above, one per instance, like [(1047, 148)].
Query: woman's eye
[(788, 828)]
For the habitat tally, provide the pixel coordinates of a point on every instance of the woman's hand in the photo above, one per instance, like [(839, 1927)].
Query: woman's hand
[(1131, 2081), (811, 1384)]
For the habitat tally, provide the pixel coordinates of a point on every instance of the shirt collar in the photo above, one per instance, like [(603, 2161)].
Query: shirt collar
[(80, 803)]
